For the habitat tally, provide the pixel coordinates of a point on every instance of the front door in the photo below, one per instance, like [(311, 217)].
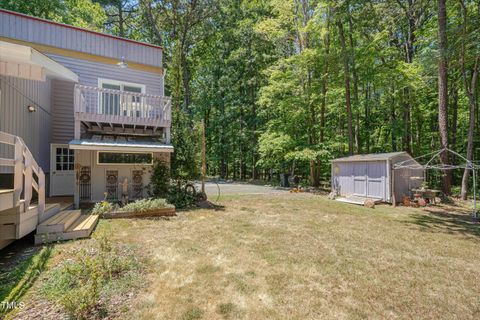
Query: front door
[(62, 174)]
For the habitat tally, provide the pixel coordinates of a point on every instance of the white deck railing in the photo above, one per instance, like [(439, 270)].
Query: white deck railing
[(23, 181), (124, 107)]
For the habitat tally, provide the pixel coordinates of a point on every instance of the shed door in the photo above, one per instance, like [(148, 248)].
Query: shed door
[(376, 172), (360, 179)]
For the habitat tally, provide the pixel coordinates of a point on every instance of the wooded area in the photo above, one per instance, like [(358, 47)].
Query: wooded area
[(286, 85)]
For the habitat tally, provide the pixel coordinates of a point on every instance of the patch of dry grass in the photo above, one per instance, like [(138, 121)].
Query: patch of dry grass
[(300, 256)]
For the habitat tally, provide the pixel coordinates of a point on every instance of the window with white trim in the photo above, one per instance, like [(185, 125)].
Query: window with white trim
[(64, 159), (124, 158), (115, 103)]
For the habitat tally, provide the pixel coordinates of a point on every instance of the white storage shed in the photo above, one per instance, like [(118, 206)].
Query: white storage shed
[(373, 176)]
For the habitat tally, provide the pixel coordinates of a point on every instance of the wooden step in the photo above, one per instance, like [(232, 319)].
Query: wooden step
[(6, 199), (51, 209), (66, 206), (81, 228), (60, 222)]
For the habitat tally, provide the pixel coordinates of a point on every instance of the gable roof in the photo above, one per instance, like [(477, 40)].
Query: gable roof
[(371, 157)]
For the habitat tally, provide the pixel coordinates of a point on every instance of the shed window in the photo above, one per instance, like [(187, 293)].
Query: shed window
[(124, 158)]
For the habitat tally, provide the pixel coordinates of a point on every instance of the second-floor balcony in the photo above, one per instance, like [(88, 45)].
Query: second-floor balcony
[(116, 107)]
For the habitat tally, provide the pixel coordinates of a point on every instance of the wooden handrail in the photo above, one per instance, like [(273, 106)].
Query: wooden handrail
[(113, 91), (24, 167), (123, 105)]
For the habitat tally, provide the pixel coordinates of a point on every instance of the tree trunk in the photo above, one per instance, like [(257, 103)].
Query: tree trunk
[(443, 93), (393, 119), (453, 124), (121, 22), (347, 86), (472, 100), (471, 129), (355, 86), (325, 80), (367, 117)]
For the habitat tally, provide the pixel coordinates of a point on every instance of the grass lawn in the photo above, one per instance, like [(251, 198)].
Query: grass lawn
[(294, 256)]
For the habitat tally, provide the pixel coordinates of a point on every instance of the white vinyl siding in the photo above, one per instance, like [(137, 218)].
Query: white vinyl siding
[(33, 127)]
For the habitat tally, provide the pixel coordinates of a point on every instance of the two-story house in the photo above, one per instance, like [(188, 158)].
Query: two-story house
[(81, 113)]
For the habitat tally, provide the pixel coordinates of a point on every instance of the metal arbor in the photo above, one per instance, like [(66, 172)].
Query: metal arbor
[(430, 165)]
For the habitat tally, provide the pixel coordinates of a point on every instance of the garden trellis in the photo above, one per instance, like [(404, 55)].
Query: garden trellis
[(430, 165)]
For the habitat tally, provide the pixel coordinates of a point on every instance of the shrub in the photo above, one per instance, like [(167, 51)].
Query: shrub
[(146, 205), (101, 208), (182, 194), (159, 180), (178, 192), (81, 283)]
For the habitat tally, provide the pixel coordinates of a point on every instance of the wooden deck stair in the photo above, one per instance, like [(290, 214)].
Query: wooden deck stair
[(66, 225), (18, 215)]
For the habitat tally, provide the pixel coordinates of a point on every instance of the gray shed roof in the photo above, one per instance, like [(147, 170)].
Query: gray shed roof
[(370, 157)]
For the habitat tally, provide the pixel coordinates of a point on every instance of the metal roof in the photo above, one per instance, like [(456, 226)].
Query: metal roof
[(125, 146), (79, 28), (370, 157)]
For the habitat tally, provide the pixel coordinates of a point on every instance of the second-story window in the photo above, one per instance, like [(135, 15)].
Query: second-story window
[(121, 98)]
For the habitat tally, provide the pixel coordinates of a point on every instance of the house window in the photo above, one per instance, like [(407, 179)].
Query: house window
[(64, 159), (124, 158), (115, 103)]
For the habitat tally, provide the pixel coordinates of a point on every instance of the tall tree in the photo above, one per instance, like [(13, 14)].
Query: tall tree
[(346, 70), (443, 93), (470, 78), (121, 16)]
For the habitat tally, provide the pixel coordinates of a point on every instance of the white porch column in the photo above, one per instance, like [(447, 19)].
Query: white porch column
[(76, 189)]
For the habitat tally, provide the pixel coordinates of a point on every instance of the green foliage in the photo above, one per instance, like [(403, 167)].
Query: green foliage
[(81, 283), (273, 147), (144, 205), (102, 207), (80, 13), (178, 192), (159, 179), (182, 194), (260, 70), (186, 141)]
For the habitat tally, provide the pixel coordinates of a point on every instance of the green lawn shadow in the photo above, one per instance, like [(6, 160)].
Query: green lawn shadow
[(14, 283)]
